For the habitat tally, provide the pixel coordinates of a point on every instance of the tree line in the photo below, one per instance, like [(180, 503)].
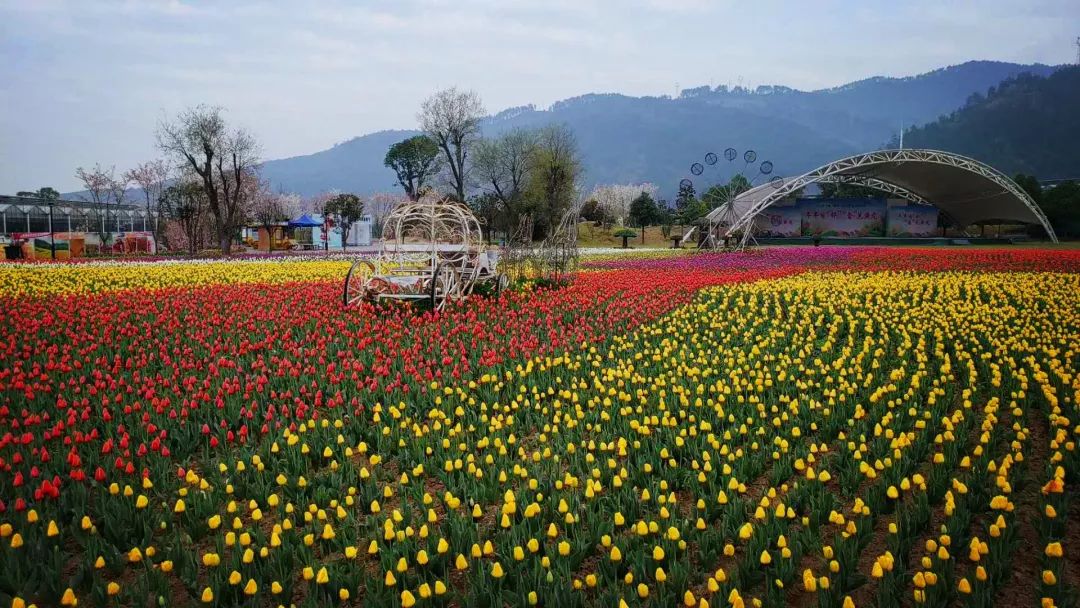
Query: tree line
[(1060, 203), (521, 178), (525, 176), (208, 186)]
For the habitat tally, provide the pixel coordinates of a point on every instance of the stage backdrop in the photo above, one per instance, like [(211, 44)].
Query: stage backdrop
[(912, 220), (781, 221), (843, 216)]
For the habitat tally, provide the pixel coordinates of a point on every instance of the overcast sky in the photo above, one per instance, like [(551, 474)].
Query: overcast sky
[(87, 81)]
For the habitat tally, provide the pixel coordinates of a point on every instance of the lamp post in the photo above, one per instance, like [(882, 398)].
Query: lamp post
[(52, 232)]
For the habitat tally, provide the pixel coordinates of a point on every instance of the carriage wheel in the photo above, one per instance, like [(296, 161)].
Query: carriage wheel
[(444, 285), (501, 282), (356, 282), (468, 281)]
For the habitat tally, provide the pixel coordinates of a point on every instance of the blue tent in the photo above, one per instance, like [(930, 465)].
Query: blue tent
[(305, 221)]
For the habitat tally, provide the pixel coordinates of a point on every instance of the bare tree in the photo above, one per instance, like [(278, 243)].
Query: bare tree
[(616, 199), (502, 166), (267, 208), (97, 181), (118, 192), (151, 177), (452, 118), (199, 139), (378, 206), (99, 184), (316, 203), (291, 204)]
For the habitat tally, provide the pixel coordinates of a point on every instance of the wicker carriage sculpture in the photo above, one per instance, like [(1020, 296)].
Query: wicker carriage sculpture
[(432, 250)]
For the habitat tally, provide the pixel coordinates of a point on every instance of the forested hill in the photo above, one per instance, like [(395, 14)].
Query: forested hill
[(655, 139), (1028, 124)]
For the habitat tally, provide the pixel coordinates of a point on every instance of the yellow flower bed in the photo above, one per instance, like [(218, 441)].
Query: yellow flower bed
[(800, 441), (50, 279)]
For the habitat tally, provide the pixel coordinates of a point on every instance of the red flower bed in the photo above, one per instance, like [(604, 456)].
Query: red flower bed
[(143, 376), (116, 385), (144, 387)]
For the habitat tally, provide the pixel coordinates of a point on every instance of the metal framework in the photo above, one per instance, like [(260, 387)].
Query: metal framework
[(862, 166), (30, 214), (432, 249), (725, 195), (555, 259), (559, 254), (876, 184)]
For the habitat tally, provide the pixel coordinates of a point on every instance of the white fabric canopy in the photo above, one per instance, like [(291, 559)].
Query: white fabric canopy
[(962, 188)]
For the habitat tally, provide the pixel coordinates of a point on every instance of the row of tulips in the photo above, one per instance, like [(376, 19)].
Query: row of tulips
[(88, 276), (123, 389), (925, 259), (743, 447), (44, 279)]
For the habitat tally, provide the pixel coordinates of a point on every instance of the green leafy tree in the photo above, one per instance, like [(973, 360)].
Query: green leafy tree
[(644, 212), (345, 209), (488, 208), (501, 167), (1061, 204), (184, 202), (591, 211), (625, 234), (1027, 124), (694, 211), (685, 197), (1031, 185), (721, 193), (415, 161), (840, 190), (553, 178), (47, 193)]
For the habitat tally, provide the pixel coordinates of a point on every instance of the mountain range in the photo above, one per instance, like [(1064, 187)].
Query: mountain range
[(1026, 124), (626, 139)]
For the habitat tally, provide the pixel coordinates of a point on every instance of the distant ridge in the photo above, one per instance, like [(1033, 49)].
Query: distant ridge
[(1027, 124), (655, 139)]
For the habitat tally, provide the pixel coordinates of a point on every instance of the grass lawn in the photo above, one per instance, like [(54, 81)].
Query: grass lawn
[(595, 236)]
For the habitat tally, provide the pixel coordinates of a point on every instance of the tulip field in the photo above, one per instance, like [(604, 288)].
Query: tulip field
[(828, 427)]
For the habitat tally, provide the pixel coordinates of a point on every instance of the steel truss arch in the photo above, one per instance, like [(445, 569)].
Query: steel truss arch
[(876, 184), (861, 166)]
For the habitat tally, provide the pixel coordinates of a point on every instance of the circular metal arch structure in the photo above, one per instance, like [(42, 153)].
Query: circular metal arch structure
[(965, 189)]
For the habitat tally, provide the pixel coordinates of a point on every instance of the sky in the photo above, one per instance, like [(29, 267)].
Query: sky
[(86, 81)]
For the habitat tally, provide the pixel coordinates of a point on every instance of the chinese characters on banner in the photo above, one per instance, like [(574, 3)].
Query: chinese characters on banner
[(781, 221), (912, 220), (855, 217), (847, 217)]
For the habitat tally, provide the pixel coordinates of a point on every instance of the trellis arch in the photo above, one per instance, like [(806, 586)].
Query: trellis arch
[(963, 188)]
